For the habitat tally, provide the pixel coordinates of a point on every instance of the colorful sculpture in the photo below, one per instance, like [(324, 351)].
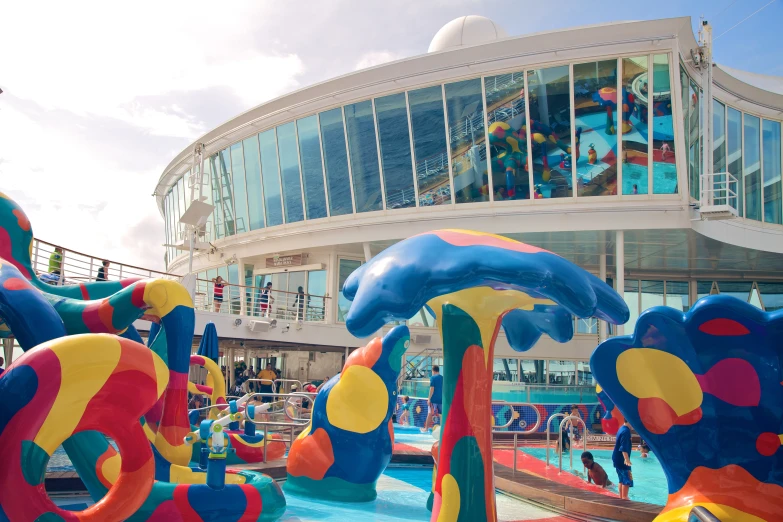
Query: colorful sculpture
[(607, 97), (470, 281), (98, 381), (703, 389), (613, 419), (350, 438)]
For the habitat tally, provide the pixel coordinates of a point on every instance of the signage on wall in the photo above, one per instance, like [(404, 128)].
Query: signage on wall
[(283, 261)]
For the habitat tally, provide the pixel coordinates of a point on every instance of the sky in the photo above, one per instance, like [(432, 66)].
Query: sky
[(100, 96)]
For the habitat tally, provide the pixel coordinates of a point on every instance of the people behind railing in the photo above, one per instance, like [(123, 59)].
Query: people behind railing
[(103, 271), (217, 292)]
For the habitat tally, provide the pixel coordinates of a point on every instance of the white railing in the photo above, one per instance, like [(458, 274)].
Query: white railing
[(76, 267), (252, 301), (718, 198)]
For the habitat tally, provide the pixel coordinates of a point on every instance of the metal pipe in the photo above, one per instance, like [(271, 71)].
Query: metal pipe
[(548, 424), (266, 439), (514, 467), (571, 453)]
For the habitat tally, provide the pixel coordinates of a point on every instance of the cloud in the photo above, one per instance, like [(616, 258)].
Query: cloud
[(373, 58)]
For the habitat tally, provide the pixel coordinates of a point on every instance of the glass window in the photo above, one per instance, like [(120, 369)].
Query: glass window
[(392, 114), (248, 290), (664, 157), (184, 196), (347, 266), (174, 198), (166, 228), (755, 299), (677, 295), (704, 288), (635, 97), (651, 294), (422, 318), (233, 292), (595, 108), (270, 175), (360, 124), (632, 300), (429, 146), (562, 373), (207, 191), (336, 159), (718, 136), (752, 175), (507, 142), (533, 371), (694, 164), (734, 153), (465, 111), (217, 200), (240, 197), (771, 144), (289, 169), (316, 288), (738, 289), (550, 122), (771, 296), (209, 286), (224, 164), (255, 195), (312, 167)]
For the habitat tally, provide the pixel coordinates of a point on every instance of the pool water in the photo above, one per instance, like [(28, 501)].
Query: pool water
[(664, 178), (649, 480)]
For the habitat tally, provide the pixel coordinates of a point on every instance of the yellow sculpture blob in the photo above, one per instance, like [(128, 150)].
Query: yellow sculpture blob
[(359, 400), (449, 509)]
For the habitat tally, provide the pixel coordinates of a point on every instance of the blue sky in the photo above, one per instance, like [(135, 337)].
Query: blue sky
[(99, 96)]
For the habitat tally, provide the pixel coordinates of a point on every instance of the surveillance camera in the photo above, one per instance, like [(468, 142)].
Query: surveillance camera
[(696, 57)]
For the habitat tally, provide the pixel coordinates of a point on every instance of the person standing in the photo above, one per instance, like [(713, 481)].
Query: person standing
[(103, 271), (217, 293), (435, 398), (300, 302), (266, 299), (621, 459), (55, 261), (266, 386)]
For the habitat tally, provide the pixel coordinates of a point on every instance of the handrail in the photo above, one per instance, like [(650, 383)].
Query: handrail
[(511, 421), (41, 241), (701, 514), (226, 283), (548, 425), (571, 453)]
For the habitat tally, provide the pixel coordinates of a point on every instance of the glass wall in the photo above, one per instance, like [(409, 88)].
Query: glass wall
[(692, 128), (752, 174), (347, 266), (255, 194), (465, 111), (316, 288), (771, 165), (718, 146), (338, 179), (664, 144), (270, 176), (396, 159), (507, 137), (217, 199), (550, 131), (227, 198), (635, 98), (595, 108), (288, 150), (360, 126), (312, 167), (207, 192), (430, 151), (240, 195), (734, 153)]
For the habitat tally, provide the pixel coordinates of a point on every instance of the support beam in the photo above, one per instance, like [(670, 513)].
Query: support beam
[(620, 270), (602, 275), (367, 252)]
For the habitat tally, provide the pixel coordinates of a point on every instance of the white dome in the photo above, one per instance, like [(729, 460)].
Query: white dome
[(465, 31)]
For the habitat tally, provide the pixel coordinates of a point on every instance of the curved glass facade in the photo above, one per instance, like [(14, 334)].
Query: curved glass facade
[(604, 128)]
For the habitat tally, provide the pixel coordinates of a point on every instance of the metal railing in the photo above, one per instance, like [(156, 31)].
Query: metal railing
[(516, 433), (72, 267), (718, 196), (566, 418), (256, 302), (702, 514)]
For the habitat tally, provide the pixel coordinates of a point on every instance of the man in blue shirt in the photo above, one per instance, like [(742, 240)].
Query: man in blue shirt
[(621, 459), (435, 398)]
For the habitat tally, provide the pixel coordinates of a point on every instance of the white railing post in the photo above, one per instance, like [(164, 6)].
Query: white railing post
[(35, 256), (62, 269)]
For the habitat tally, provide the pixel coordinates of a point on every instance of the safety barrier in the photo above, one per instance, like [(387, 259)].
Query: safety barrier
[(501, 429)]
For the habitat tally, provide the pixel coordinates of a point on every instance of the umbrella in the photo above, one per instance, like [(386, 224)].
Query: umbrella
[(208, 347)]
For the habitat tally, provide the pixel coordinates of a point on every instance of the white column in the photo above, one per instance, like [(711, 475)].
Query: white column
[(8, 351), (242, 289), (230, 369), (620, 270), (347, 350), (602, 276), (367, 252), (333, 273)]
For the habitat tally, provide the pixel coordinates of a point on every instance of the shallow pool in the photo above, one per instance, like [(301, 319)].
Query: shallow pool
[(649, 480), (664, 178)]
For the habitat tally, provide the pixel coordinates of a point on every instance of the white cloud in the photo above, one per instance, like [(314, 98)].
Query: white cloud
[(373, 58)]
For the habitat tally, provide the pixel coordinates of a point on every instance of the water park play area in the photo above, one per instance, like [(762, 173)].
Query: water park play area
[(148, 456)]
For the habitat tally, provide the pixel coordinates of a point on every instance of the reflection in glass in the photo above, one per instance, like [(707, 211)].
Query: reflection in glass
[(664, 157), (240, 197), (685, 83), (719, 146), (550, 122), (465, 112), (651, 294), (771, 296), (634, 121), (312, 167), (632, 300), (224, 164), (771, 144), (739, 289), (206, 191), (316, 288), (184, 196), (360, 124), (255, 199), (289, 170), (337, 179), (677, 295), (595, 108), (347, 266), (270, 175), (692, 129), (752, 175), (734, 152), (217, 200), (429, 146), (507, 136), (394, 138)]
